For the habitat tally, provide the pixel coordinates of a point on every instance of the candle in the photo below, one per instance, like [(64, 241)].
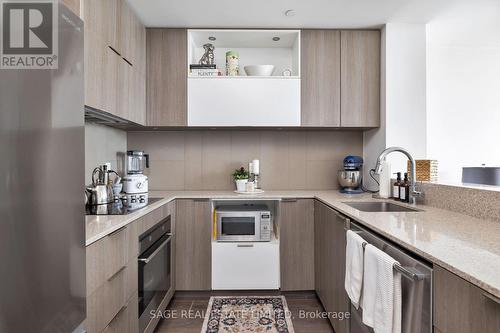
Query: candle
[(255, 167)]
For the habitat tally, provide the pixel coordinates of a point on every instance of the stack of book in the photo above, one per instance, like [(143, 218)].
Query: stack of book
[(203, 70)]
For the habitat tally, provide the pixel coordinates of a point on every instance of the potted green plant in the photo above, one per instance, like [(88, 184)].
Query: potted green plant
[(241, 179)]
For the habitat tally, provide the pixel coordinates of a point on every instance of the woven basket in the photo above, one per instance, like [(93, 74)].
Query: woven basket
[(427, 170)]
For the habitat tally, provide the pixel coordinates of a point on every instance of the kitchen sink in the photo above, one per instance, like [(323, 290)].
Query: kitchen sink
[(381, 206)]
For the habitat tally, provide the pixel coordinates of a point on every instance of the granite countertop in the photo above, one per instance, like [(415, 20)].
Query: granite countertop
[(467, 246)]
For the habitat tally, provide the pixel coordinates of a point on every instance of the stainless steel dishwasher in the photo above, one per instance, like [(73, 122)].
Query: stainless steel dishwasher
[(416, 284)]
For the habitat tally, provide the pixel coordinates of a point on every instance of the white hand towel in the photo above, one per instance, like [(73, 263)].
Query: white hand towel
[(381, 301), (354, 267)]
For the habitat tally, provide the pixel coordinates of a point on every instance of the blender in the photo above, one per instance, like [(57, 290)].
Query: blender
[(135, 183)]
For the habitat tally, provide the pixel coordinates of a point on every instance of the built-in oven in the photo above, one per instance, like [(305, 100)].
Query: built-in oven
[(243, 223), (155, 269)]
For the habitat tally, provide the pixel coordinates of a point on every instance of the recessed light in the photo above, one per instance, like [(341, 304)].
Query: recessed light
[(212, 38), (290, 12), (276, 39)]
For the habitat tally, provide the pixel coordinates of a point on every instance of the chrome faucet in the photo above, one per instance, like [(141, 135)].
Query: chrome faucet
[(414, 194)]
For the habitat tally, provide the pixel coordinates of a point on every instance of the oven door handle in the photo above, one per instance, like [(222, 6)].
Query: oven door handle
[(162, 245)]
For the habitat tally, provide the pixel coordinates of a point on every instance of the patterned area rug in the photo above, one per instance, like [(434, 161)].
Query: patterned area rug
[(248, 314)]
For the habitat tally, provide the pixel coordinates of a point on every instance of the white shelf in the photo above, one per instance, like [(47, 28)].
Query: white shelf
[(225, 77), (244, 101)]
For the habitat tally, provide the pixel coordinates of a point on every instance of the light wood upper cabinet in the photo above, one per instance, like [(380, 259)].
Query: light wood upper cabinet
[(101, 63), (167, 77), (126, 32), (73, 5), (338, 84), (360, 78), (193, 245), (296, 227), (320, 73), (460, 307), (115, 48)]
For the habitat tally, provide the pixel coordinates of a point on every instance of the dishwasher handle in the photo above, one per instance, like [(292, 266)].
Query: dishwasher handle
[(408, 272)]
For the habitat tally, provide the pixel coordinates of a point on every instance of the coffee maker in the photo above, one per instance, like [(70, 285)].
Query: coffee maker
[(135, 183), (350, 179)]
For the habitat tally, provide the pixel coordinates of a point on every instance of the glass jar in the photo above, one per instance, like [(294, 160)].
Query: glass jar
[(232, 63)]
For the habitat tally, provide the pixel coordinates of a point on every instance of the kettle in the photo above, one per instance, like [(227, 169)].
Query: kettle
[(101, 191)]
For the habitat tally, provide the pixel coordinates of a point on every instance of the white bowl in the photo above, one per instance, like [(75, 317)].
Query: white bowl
[(259, 70)]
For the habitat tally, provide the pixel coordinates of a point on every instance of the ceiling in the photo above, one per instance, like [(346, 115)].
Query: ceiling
[(270, 13)]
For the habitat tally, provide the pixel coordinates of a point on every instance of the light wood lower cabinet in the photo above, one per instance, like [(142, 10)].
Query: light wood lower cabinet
[(193, 240), (329, 254), (104, 304), (126, 320), (296, 234), (112, 276), (118, 248), (461, 307)]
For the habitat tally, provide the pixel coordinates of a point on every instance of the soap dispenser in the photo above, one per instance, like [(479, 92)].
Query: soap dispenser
[(385, 181), (404, 189), (396, 187)]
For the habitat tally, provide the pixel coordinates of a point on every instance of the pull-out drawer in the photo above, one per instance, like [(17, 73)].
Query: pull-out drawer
[(245, 265), (126, 320), (106, 257), (152, 218), (108, 300), (461, 307)]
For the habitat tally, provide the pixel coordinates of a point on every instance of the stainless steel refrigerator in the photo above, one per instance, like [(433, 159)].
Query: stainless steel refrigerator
[(42, 217)]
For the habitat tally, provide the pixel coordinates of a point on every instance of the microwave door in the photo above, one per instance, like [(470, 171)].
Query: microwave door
[(241, 227)]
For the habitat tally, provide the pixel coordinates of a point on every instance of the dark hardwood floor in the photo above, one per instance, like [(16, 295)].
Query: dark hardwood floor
[(188, 309)]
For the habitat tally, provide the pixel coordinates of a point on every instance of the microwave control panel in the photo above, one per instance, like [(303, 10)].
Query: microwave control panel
[(265, 227)]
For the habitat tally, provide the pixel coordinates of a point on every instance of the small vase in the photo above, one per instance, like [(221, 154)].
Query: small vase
[(241, 185)]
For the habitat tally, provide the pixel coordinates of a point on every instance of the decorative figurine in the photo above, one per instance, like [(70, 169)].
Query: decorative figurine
[(208, 57)]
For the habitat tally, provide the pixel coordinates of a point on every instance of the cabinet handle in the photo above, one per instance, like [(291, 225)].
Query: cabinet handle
[(201, 200), (114, 50), (289, 200), (118, 272), (128, 62), (117, 231), (491, 297), (342, 217), (123, 308), (244, 245)]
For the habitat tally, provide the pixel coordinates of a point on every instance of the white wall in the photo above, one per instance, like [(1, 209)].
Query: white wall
[(403, 100), (103, 144), (463, 82)]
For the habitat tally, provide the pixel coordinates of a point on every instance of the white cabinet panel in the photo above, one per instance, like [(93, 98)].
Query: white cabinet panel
[(243, 101), (252, 265)]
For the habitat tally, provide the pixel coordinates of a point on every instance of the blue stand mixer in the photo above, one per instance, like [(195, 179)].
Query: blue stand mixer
[(351, 178)]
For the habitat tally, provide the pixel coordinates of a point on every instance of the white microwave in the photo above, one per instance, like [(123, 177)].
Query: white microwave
[(243, 223)]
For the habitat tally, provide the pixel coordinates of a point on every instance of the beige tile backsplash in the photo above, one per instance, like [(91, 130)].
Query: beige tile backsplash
[(204, 160), (104, 144)]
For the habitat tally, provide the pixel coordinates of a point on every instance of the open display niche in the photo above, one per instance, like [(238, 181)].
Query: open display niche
[(280, 48)]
